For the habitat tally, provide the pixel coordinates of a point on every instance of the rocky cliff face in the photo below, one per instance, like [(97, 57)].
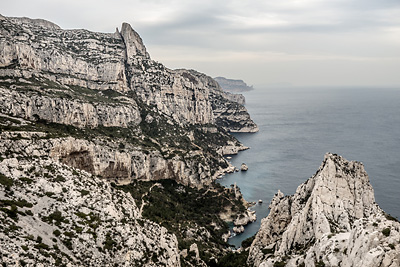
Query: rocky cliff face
[(52, 214), (331, 220), (174, 122), (68, 58)]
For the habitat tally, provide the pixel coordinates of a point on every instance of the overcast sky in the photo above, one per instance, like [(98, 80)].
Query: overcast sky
[(264, 42)]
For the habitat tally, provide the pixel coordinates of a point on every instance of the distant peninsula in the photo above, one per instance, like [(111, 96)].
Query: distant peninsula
[(233, 86)]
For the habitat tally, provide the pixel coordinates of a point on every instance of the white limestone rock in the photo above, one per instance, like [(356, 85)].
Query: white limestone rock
[(64, 111), (53, 214), (105, 159), (332, 218), (133, 42), (232, 148)]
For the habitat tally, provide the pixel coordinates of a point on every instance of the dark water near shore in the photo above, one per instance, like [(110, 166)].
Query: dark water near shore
[(298, 126)]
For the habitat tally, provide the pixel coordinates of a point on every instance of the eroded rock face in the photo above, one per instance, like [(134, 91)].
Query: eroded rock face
[(74, 112), (53, 214), (332, 218), (106, 160)]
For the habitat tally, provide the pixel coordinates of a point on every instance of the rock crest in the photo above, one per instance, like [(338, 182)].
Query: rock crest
[(133, 42)]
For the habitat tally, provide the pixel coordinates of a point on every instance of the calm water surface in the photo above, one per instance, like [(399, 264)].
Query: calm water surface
[(298, 126)]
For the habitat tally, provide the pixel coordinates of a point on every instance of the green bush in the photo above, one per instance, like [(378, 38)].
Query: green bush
[(279, 263), (233, 259), (386, 231), (56, 232), (109, 243), (26, 180), (4, 180), (247, 242), (12, 212), (55, 217)]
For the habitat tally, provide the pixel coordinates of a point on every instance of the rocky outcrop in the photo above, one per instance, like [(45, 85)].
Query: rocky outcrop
[(232, 148), (133, 43), (74, 112), (52, 214), (238, 98), (231, 115), (244, 167), (243, 219), (331, 220)]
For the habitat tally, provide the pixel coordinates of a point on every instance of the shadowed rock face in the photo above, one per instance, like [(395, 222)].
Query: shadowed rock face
[(79, 159), (324, 219)]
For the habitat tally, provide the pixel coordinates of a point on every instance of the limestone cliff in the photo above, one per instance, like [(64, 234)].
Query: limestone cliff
[(33, 52), (331, 220), (162, 123), (52, 215)]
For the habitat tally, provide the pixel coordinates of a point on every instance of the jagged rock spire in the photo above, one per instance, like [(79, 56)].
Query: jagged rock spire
[(133, 42), (337, 199)]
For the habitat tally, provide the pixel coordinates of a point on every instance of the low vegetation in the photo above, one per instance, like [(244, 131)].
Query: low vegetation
[(191, 214)]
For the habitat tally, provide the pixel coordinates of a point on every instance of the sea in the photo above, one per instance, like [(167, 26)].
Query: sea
[(299, 125)]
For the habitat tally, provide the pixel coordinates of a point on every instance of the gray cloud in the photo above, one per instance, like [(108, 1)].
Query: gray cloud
[(288, 39)]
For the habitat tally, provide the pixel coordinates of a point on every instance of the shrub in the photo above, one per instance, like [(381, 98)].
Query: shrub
[(59, 178), (57, 217), (247, 242), (279, 264), (12, 212), (233, 259), (56, 232), (386, 231), (4, 180), (26, 180), (84, 192), (109, 243)]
